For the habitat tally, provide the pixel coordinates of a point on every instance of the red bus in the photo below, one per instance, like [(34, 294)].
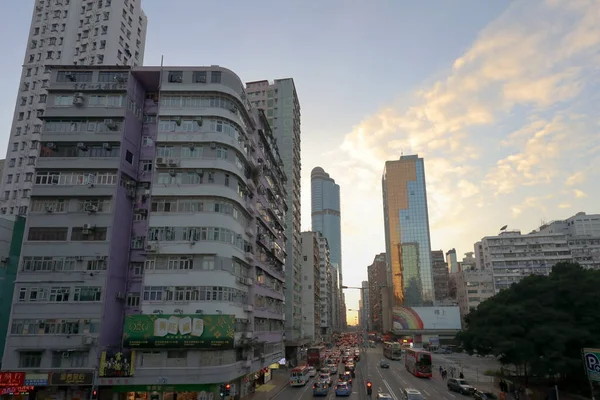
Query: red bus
[(418, 362), (315, 356)]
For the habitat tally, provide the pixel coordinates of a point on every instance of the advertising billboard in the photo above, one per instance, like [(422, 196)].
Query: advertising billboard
[(117, 364), (591, 360), (425, 318), (177, 331)]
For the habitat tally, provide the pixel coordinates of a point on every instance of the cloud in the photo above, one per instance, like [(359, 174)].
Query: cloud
[(510, 118)]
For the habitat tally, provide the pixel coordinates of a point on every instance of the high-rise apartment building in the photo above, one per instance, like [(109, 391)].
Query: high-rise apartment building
[(282, 108), (63, 32), (473, 287), (328, 294), (377, 276), (311, 286), (439, 270), (406, 220), (156, 225), (452, 261), (364, 309), (326, 218)]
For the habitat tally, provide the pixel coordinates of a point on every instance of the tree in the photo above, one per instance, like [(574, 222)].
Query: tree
[(540, 324)]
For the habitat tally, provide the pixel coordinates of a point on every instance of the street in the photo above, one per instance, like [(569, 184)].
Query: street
[(384, 380)]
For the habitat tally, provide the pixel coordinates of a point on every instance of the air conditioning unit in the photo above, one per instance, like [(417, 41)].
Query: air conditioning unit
[(121, 296), (120, 79), (178, 121), (262, 356), (161, 161), (50, 145), (78, 95), (70, 76), (88, 340), (106, 146), (77, 101), (200, 172), (249, 256), (173, 163), (191, 146), (199, 121), (81, 146), (248, 363), (151, 248), (250, 231), (49, 209), (213, 145), (172, 172), (248, 335), (91, 208), (87, 226), (248, 308)]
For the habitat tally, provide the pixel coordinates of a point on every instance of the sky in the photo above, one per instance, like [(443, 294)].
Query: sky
[(499, 97)]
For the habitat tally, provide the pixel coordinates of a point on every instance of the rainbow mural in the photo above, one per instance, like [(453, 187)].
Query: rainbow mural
[(405, 318)]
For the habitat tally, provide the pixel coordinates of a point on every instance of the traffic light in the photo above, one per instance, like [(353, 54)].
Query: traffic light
[(227, 389), (222, 390), (94, 394)]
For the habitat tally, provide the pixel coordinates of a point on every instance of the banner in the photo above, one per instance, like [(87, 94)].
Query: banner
[(178, 331), (117, 364)]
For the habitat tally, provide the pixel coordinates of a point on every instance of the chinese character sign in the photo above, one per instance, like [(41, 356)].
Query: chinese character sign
[(12, 378), (115, 364), (71, 378)]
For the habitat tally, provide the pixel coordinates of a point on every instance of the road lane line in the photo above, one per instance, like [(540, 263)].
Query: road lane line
[(426, 392), (387, 385)]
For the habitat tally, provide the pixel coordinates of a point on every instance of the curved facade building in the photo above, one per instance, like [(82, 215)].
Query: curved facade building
[(156, 233)]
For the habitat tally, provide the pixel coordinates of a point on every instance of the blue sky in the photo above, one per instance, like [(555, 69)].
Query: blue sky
[(498, 96)]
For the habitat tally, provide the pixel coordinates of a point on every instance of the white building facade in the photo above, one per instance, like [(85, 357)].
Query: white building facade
[(63, 32), (326, 285), (473, 287)]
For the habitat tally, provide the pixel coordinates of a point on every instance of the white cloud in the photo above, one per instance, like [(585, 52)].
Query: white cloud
[(531, 67)]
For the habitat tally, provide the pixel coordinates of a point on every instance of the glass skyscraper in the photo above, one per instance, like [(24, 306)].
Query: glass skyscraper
[(326, 218), (407, 242)]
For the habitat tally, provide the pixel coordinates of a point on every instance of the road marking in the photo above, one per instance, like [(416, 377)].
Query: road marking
[(387, 385), (427, 393), (435, 390), (451, 395)]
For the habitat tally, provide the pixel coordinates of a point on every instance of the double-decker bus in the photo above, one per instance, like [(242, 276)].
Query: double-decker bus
[(418, 362), (299, 376), (392, 350), (315, 356)]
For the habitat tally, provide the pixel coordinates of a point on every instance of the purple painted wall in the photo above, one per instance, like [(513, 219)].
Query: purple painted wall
[(118, 269)]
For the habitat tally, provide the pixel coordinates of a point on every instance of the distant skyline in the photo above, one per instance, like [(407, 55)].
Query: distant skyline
[(498, 97)]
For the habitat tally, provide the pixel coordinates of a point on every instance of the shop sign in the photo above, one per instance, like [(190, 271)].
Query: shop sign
[(117, 364), (71, 378), (179, 331), (111, 382), (15, 389), (32, 379), (165, 388), (12, 379)]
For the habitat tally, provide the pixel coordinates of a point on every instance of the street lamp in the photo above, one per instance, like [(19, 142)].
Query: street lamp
[(365, 337)]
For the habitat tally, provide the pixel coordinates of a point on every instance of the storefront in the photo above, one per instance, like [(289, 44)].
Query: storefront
[(68, 385), (17, 386), (167, 392)]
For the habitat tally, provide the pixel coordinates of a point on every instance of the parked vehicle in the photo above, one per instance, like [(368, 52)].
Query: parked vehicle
[(460, 385)]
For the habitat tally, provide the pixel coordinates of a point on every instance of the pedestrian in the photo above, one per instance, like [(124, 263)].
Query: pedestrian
[(503, 386), (441, 370), (461, 376)]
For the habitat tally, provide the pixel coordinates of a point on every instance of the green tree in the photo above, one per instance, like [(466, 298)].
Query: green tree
[(540, 324)]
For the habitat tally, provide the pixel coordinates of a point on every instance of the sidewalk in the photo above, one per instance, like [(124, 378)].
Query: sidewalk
[(473, 376), (278, 383)]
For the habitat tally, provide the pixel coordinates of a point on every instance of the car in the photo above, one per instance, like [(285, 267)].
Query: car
[(349, 367), (481, 395), (460, 385), (345, 377), (320, 389), (312, 371), (412, 394), (325, 378), (333, 369), (384, 396), (325, 370), (384, 364), (343, 389)]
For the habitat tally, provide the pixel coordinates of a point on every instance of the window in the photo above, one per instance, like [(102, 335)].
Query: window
[(215, 77), (87, 293), (30, 359), (129, 157), (92, 234), (133, 299), (59, 294), (199, 77), (175, 76), (47, 234)]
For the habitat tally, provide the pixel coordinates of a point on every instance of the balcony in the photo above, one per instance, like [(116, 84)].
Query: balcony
[(79, 163)]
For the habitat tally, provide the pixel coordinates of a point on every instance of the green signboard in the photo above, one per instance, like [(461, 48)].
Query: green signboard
[(177, 331)]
